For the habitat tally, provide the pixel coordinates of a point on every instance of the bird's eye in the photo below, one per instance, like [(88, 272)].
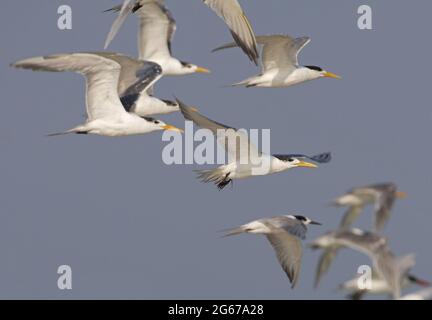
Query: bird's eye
[(291, 160), (157, 122)]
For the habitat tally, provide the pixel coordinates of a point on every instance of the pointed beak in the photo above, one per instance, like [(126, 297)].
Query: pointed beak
[(202, 70), (331, 75), (304, 164), (401, 195), (317, 223), (172, 128)]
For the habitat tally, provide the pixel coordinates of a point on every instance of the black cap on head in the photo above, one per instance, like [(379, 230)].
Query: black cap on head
[(314, 68)]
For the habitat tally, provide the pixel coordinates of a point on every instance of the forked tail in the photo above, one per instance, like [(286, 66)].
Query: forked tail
[(219, 176)]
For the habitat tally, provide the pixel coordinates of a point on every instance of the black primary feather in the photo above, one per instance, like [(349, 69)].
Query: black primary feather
[(319, 158)]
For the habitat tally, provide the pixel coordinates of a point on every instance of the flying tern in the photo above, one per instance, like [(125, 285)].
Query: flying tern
[(389, 267), (280, 66), (244, 159), (284, 234), (156, 31), (106, 114), (382, 195)]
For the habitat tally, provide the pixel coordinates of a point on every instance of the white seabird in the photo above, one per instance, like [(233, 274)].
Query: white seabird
[(284, 234), (156, 31), (280, 67), (389, 267), (105, 113), (382, 196), (244, 159)]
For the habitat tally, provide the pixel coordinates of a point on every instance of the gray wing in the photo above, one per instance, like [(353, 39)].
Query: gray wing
[(136, 77), (350, 216), (292, 226), (384, 205), (234, 141), (289, 253), (231, 12), (366, 242), (124, 10), (201, 121), (102, 77), (281, 51), (146, 77), (324, 263)]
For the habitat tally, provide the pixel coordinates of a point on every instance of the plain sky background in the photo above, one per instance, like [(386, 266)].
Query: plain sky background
[(132, 227)]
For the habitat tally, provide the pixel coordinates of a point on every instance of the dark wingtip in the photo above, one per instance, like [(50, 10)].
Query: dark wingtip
[(322, 158)]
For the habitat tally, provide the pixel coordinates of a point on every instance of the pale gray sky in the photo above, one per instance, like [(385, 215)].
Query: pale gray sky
[(131, 227)]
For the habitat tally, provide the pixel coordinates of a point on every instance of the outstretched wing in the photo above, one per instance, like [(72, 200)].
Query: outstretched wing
[(156, 30), (350, 216), (102, 77), (145, 79), (324, 263), (124, 10), (231, 12), (289, 253), (235, 142), (386, 197), (279, 51)]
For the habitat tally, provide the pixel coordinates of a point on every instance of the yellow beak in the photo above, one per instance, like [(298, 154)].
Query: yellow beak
[(172, 128), (202, 70), (304, 164), (400, 194), (331, 75)]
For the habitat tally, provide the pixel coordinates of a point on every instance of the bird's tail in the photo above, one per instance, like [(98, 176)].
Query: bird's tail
[(77, 130), (234, 231), (248, 83), (219, 176)]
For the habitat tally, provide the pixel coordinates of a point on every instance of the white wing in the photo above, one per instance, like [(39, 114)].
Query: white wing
[(125, 10), (102, 76), (156, 30), (231, 12)]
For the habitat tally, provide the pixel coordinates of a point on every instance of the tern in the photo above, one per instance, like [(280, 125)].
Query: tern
[(284, 234), (382, 195), (156, 31), (105, 113), (241, 29), (280, 66), (245, 160), (389, 267), (378, 285)]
